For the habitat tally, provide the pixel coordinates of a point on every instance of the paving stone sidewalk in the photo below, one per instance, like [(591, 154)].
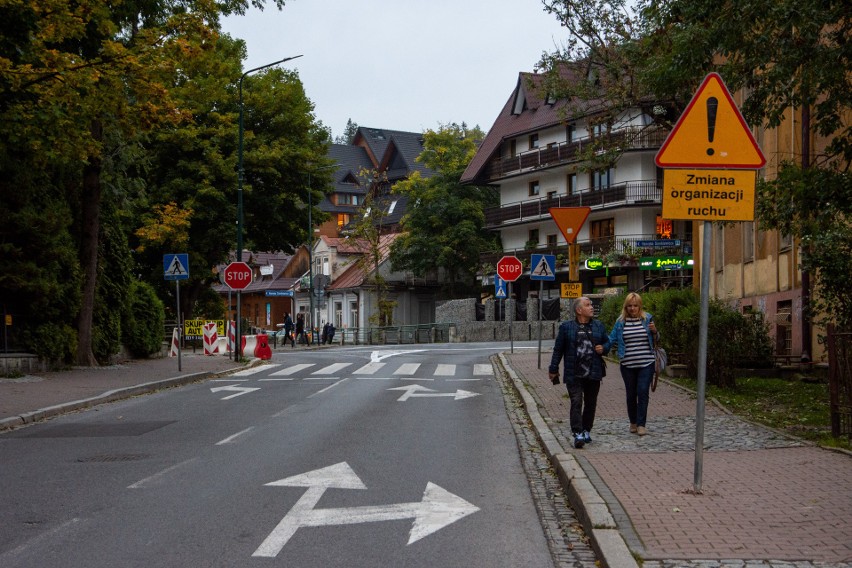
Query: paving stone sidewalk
[(767, 499)]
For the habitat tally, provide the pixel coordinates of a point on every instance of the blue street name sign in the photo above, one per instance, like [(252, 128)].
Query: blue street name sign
[(288, 293)]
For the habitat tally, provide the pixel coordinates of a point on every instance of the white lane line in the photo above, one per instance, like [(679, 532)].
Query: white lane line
[(230, 439), (37, 541), (462, 380), (260, 380), (369, 368), (407, 369), (445, 370), (483, 369), (331, 369), (229, 380), (160, 474), (415, 379), (329, 387), (376, 378), (291, 370)]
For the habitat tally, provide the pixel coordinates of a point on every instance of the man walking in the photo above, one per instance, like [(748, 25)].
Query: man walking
[(581, 342)]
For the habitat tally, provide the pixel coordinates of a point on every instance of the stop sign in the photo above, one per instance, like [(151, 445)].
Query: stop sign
[(237, 275), (509, 268)]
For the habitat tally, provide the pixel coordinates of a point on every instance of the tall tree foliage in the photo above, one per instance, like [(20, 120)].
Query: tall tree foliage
[(782, 55), (444, 224)]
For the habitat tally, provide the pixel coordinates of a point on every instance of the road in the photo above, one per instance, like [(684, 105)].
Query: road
[(357, 456)]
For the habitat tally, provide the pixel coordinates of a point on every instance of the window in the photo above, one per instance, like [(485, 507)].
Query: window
[(551, 241), (532, 241), (571, 132), (534, 188), (602, 229), (533, 141), (602, 179), (348, 199), (513, 148), (342, 220), (353, 314), (325, 266), (786, 242), (338, 314), (572, 184), (665, 228)]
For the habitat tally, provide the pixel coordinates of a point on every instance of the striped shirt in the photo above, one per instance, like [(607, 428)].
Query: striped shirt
[(637, 349)]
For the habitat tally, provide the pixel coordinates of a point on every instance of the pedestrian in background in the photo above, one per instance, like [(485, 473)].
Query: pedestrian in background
[(581, 342), (300, 328), (288, 330), (633, 335)]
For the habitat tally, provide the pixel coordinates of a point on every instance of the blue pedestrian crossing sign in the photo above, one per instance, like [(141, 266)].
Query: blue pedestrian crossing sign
[(499, 288), (543, 267), (176, 266)]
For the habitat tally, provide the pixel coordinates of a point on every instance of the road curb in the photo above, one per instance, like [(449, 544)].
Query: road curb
[(592, 511), (109, 396)]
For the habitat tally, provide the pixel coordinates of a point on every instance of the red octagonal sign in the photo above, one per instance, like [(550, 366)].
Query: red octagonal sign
[(509, 268), (237, 275)]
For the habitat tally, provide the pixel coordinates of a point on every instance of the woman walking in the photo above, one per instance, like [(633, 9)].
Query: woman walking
[(633, 336)]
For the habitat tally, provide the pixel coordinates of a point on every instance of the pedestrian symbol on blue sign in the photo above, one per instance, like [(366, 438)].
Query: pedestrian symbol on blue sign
[(543, 267), (176, 266), (499, 287)]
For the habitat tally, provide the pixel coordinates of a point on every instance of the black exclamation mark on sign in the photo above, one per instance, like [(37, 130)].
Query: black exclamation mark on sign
[(712, 105)]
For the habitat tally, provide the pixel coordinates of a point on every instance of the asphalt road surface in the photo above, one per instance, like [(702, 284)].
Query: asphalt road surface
[(352, 457)]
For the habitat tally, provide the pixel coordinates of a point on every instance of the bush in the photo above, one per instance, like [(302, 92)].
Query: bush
[(143, 325), (55, 343)]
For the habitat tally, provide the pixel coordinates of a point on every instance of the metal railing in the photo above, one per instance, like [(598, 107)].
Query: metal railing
[(617, 195), (634, 138), (395, 334)]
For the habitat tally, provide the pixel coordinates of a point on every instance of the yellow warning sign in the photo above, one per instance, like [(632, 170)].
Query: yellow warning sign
[(709, 195), (711, 133), (571, 290)]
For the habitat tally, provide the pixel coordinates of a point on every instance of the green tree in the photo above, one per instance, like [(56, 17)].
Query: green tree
[(443, 229), (348, 133)]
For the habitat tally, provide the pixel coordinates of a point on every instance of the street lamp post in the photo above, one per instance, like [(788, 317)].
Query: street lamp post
[(238, 351)]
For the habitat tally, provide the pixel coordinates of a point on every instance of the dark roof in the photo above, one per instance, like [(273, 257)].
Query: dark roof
[(274, 281), (526, 111), (355, 275)]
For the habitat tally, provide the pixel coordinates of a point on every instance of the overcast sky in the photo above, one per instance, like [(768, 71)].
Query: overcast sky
[(402, 64)]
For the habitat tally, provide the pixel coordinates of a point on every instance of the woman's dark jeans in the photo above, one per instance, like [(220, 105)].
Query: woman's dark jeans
[(637, 383)]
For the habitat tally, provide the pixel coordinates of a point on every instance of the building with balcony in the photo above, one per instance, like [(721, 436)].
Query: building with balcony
[(537, 154)]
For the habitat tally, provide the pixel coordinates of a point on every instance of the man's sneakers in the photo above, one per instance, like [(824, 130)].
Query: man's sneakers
[(579, 440), (586, 437)]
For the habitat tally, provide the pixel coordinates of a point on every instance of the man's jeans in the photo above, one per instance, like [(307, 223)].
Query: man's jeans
[(637, 383)]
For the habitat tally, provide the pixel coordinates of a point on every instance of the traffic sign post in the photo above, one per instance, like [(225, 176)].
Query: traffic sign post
[(176, 267), (542, 268), (710, 135)]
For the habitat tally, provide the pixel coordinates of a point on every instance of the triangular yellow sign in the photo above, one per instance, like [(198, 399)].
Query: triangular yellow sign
[(711, 133), (570, 220)]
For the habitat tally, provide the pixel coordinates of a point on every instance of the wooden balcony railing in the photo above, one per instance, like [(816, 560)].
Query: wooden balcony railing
[(627, 193)]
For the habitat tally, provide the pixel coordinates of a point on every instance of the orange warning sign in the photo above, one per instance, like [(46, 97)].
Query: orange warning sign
[(711, 133), (570, 220)]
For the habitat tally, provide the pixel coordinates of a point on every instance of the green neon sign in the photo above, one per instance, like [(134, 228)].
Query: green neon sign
[(594, 264)]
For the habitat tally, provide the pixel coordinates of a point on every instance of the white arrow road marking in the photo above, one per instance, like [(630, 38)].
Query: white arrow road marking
[(377, 356), (438, 508), (238, 390), (417, 391)]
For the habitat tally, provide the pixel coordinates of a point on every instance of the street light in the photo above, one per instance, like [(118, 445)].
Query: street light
[(238, 352)]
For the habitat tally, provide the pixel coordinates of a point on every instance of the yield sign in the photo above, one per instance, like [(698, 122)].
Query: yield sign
[(570, 220), (438, 508), (711, 133)]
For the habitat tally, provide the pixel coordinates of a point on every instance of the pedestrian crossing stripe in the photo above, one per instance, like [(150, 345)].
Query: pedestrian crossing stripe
[(405, 370)]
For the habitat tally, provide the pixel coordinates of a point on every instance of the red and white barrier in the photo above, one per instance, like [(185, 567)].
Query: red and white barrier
[(232, 333), (249, 344), (175, 348), (211, 339)]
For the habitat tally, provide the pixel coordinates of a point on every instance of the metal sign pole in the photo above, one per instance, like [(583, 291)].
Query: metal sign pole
[(540, 292), (180, 325), (703, 319), (511, 321)]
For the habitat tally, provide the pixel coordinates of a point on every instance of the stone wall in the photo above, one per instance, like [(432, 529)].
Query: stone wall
[(462, 313)]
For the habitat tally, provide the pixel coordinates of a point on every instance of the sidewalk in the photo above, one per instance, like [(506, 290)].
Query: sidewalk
[(32, 398), (767, 499)]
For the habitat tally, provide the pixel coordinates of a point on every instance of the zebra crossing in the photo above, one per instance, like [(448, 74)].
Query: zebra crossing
[(370, 370)]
